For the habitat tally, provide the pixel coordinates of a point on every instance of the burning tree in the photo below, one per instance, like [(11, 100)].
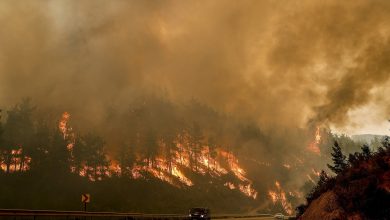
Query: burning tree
[(17, 133)]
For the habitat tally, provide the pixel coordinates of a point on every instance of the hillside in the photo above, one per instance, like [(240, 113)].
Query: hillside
[(366, 138), (360, 189)]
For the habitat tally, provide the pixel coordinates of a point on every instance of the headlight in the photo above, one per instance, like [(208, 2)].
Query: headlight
[(201, 216)]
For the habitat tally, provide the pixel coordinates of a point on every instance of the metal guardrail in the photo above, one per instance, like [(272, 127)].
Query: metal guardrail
[(69, 215), (240, 216), (77, 214)]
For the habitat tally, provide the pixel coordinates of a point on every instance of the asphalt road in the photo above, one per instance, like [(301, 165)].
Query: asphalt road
[(257, 218)]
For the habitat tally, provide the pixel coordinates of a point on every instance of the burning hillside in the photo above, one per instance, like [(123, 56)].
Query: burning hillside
[(183, 157), (225, 102), (189, 158)]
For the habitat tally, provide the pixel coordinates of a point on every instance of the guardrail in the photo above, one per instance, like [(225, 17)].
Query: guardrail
[(240, 216), (69, 215), (23, 214)]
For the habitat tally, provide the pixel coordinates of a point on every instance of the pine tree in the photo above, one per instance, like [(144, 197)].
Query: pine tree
[(352, 160), (323, 179), (127, 158), (386, 142), (151, 147), (196, 143), (366, 152), (339, 159)]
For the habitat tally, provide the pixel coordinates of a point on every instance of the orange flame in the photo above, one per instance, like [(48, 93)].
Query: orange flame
[(279, 195), (19, 162), (313, 146), (170, 171), (63, 123), (66, 130)]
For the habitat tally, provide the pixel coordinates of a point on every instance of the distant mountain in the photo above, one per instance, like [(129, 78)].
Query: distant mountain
[(366, 138)]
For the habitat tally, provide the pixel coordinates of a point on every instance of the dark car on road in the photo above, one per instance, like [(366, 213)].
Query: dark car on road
[(200, 213)]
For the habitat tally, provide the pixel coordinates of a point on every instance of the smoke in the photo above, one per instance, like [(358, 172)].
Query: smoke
[(283, 65)]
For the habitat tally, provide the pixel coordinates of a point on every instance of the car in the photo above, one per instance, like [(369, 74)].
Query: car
[(200, 213), (279, 216)]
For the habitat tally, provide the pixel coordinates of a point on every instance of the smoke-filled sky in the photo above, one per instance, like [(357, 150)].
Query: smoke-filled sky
[(281, 63)]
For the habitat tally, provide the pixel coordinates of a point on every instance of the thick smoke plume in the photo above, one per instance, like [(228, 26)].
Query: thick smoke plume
[(282, 67), (280, 64)]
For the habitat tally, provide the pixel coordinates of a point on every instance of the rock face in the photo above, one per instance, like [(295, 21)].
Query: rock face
[(325, 207)]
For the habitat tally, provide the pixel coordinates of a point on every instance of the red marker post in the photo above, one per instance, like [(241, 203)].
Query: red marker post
[(85, 198)]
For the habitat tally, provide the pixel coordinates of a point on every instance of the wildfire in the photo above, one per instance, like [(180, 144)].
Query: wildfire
[(230, 185), (318, 135), (248, 190), (66, 130), (160, 169), (18, 162), (313, 146), (173, 170), (315, 172), (204, 164), (279, 195), (63, 124)]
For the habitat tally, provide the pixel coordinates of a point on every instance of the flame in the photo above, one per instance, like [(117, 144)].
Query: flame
[(62, 125), (172, 170), (248, 190), (230, 185), (66, 130), (318, 135), (18, 162), (313, 146), (279, 195), (315, 172)]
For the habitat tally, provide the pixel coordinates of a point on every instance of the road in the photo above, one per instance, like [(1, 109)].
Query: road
[(257, 218)]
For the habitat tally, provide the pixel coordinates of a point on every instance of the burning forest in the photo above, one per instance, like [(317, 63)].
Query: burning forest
[(166, 105), (185, 155)]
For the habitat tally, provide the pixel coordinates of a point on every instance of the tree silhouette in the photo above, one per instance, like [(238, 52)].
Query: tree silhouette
[(339, 159), (196, 143), (150, 146), (366, 152), (126, 158), (18, 134)]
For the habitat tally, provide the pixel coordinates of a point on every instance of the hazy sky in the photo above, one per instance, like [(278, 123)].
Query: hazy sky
[(281, 63)]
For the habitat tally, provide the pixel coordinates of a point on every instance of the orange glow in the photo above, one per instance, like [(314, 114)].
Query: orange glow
[(230, 185), (315, 172), (63, 123), (66, 130), (279, 196), (248, 190), (183, 159), (19, 162), (318, 135), (313, 146), (172, 170)]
